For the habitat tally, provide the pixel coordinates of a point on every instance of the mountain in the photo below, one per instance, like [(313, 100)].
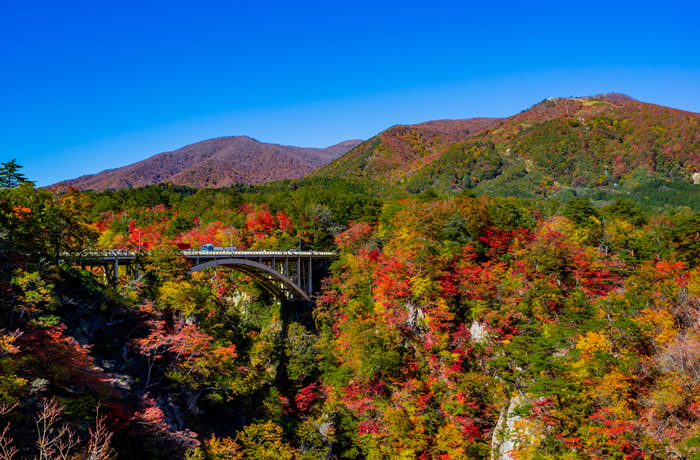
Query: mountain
[(574, 146), (401, 150), (217, 162)]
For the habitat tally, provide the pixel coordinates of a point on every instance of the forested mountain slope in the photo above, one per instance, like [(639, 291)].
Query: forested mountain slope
[(217, 163), (606, 143), (402, 150)]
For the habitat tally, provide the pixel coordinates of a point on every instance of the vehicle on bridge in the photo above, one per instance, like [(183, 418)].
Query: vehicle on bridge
[(207, 247)]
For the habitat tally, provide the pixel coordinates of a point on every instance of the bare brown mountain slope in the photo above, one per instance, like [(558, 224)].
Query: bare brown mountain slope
[(217, 162)]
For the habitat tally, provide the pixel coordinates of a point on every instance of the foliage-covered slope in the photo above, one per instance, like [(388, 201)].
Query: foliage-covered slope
[(449, 328), (609, 143), (401, 150)]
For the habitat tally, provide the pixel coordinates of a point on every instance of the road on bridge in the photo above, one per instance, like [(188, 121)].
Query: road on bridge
[(288, 274)]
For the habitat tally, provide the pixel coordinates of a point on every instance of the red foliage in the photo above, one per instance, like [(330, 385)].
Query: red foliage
[(62, 359), (198, 236), (468, 279), (391, 279), (305, 397), (596, 277), (152, 419), (354, 234), (284, 223), (500, 241), (368, 427), (355, 398), (260, 222)]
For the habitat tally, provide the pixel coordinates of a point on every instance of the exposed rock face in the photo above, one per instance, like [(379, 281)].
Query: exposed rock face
[(502, 442), (696, 178), (478, 332), (415, 318)]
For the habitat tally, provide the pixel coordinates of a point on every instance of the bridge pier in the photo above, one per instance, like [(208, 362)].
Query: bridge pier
[(310, 287)]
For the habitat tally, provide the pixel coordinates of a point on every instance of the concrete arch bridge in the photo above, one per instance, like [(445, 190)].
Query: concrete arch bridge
[(291, 275)]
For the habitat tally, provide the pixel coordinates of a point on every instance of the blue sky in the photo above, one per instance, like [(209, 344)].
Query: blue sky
[(93, 85)]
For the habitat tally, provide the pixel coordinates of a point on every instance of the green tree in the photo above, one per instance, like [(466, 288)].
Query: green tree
[(686, 235), (10, 175), (300, 350)]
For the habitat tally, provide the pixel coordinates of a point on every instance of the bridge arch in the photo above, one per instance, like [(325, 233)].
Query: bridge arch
[(277, 283)]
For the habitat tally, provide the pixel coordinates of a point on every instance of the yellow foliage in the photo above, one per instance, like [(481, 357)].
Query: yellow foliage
[(527, 434), (422, 286), (660, 323), (181, 296), (556, 224), (221, 448), (405, 437), (592, 342), (580, 235), (619, 230), (694, 283), (450, 441), (7, 346), (260, 441), (666, 394), (614, 389), (106, 240)]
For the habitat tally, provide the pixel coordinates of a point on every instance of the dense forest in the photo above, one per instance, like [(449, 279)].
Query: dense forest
[(453, 325)]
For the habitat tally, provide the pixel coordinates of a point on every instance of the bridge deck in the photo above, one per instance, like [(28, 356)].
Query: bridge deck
[(286, 273), (126, 255)]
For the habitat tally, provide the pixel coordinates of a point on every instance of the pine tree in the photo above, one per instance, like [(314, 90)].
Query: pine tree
[(10, 175)]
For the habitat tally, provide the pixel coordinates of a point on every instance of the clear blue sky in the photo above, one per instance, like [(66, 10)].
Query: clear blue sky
[(99, 84)]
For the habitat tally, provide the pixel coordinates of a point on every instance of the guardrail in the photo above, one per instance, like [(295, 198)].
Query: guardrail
[(194, 252), (200, 253)]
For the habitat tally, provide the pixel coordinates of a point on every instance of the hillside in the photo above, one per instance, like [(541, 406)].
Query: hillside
[(560, 145), (449, 327), (402, 150), (217, 163)]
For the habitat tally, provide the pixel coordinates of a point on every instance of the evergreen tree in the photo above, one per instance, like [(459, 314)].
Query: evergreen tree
[(10, 175)]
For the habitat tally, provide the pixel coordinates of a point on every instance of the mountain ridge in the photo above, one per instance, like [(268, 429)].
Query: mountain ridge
[(557, 144), (216, 162)]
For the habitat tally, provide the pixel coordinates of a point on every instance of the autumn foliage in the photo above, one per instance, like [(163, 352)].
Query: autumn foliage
[(449, 327)]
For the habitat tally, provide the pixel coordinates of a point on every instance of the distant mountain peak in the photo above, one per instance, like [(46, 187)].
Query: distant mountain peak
[(217, 162), (349, 143), (615, 97)]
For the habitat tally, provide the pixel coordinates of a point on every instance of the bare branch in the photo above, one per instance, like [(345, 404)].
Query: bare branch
[(6, 409), (7, 450), (53, 442), (100, 436)]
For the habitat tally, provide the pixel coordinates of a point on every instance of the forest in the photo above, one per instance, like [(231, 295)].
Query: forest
[(454, 325)]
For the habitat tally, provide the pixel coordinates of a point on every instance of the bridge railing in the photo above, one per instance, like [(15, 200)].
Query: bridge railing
[(199, 253), (103, 253)]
